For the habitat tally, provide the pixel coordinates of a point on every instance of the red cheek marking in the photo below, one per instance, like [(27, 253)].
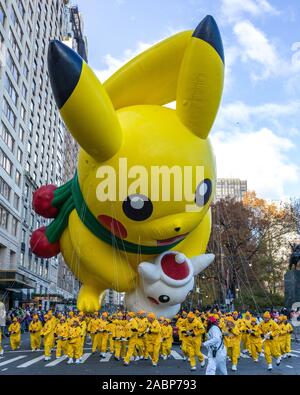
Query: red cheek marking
[(114, 226)]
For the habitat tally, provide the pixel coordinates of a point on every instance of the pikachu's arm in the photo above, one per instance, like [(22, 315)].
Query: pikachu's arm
[(196, 243), (151, 77)]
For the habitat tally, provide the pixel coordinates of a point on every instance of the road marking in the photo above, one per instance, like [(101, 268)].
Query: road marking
[(289, 366), (12, 360), (57, 361), (85, 356), (107, 357), (31, 362), (176, 355), (3, 370), (298, 352)]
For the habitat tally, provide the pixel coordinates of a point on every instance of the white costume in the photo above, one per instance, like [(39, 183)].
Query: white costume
[(217, 363)]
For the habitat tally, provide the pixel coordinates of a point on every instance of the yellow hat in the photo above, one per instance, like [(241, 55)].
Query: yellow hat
[(284, 318), (197, 312), (36, 317), (253, 319), (50, 313), (161, 318), (216, 316), (235, 313), (168, 320), (184, 312), (120, 314), (63, 318), (81, 314), (267, 314), (46, 316), (15, 319), (191, 315), (141, 312), (104, 314), (229, 318), (96, 313), (130, 314), (151, 315), (248, 314)]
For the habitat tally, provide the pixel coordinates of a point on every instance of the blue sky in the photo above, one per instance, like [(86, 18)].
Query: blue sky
[(257, 132)]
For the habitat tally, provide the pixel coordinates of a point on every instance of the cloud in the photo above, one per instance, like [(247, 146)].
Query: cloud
[(234, 10), (261, 157)]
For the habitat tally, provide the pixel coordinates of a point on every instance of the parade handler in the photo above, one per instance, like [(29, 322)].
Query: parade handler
[(255, 339), (119, 334), (192, 335), (270, 331), (14, 330), (153, 336), (232, 341), (167, 338), (47, 334), (62, 334), (74, 342), (131, 333), (35, 328)]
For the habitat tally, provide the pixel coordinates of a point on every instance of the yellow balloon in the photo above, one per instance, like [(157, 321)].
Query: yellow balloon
[(146, 151)]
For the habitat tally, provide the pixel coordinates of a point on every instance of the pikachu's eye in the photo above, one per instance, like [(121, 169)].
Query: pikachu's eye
[(203, 192), (137, 207)]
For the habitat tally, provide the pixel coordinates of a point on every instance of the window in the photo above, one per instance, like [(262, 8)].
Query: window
[(26, 190), (10, 115), (14, 45), (16, 24), (19, 155), (35, 158), (5, 189), (5, 163), (3, 217), (16, 201), (28, 166), (21, 8), (14, 226), (7, 137), (29, 147), (2, 16), (23, 112), (21, 134), (12, 67), (24, 91), (22, 258), (18, 178), (10, 90), (26, 71), (32, 220)]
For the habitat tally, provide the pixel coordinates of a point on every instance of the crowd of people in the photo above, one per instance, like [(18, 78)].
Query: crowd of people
[(143, 336)]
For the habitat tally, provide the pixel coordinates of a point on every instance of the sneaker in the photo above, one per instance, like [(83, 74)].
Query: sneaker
[(255, 360), (193, 368), (38, 349), (154, 364), (117, 358), (278, 361), (70, 361), (284, 356), (47, 358), (184, 358), (77, 361), (103, 355), (164, 357), (1, 352), (289, 355), (137, 358), (126, 364), (57, 357), (270, 367), (234, 368), (261, 354), (202, 364)]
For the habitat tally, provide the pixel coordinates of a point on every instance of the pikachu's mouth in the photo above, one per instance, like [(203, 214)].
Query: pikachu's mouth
[(171, 240)]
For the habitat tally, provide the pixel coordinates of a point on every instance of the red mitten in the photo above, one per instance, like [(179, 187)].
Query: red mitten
[(42, 201), (40, 245)]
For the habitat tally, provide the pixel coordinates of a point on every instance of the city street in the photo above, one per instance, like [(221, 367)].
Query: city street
[(26, 362)]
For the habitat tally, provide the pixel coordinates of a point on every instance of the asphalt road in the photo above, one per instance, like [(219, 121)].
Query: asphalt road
[(26, 362)]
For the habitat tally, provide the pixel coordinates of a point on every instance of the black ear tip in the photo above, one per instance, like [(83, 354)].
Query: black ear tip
[(208, 31), (65, 67)]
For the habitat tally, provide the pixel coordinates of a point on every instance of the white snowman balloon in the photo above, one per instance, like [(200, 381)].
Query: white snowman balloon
[(166, 282)]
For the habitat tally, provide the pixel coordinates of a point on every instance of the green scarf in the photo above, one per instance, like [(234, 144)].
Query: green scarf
[(69, 197)]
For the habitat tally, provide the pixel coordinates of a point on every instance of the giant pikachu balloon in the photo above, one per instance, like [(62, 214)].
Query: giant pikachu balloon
[(108, 243)]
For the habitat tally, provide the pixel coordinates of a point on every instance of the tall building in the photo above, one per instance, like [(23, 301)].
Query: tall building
[(33, 145), (230, 188)]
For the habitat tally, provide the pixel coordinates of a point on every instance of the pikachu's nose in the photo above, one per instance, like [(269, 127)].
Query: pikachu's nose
[(65, 67)]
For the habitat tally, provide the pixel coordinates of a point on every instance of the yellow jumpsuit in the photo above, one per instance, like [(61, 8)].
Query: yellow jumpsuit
[(62, 334), (167, 340), (1, 349), (92, 329), (48, 334), (270, 346), (245, 334), (119, 333), (74, 342), (15, 335), (232, 344), (83, 327), (131, 333), (194, 340), (110, 329), (255, 341), (153, 337), (101, 337), (181, 325), (35, 328), (141, 340), (53, 322), (289, 331)]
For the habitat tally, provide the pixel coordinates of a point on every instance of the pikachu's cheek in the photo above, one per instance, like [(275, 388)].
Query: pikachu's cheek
[(113, 225)]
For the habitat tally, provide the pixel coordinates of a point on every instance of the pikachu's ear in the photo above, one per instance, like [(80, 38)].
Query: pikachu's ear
[(83, 103), (151, 77), (200, 82)]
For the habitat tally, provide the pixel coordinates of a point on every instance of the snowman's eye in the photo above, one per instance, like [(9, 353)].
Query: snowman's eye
[(203, 192), (137, 207), (164, 298)]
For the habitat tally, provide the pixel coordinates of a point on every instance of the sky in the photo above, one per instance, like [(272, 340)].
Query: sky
[(256, 135)]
